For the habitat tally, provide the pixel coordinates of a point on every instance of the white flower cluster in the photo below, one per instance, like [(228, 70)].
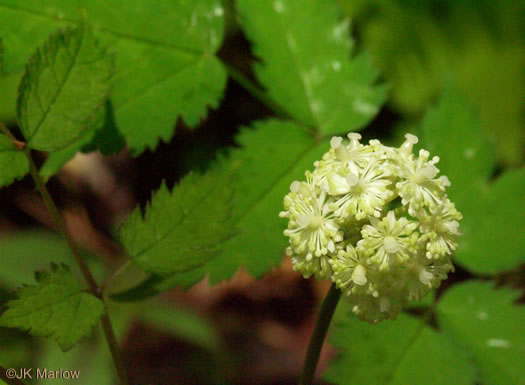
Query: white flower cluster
[(375, 220)]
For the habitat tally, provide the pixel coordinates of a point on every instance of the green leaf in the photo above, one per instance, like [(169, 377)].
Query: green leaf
[(272, 155), (493, 220), (56, 307), (180, 323), (307, 66), (6, 144), (410, 42), (107, 138), (13, 166), (65, 82), (166, 68), (452, 131), (404, 351), (181, 230), (103, 137), (490, 328), (91, 360), (24, 252), (491, 211)]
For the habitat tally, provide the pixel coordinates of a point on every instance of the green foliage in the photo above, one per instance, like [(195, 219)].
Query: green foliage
[(452, 130), (404, 351), (305, 57), (492, 210), (13, 165), (65, 82), (271, 156), (479, 340), (56, 307), (165, 63), (6, 144), (91, 359), (24, 252), (180, 323), (211, 225), (480, 43), (104, 137), (484, 322), (181, 230)]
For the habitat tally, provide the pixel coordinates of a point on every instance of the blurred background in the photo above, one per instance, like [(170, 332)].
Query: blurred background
[(248, 331)]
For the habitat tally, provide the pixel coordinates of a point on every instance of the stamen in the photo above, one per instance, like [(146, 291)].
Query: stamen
[(408, 146)]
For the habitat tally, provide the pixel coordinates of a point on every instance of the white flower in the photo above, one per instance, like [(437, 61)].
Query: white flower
[(375, 220), (419, 186), (311, 227), (308, 264), (354, 157), (440, 228), (389, 240), (361, 194), (423, 275), (350, 270)]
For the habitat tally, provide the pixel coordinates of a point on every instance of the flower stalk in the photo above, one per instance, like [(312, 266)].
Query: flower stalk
[(321, 327)]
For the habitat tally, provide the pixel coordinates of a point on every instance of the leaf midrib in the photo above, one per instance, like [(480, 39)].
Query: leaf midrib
[(295, 62), (276, 181), (59, 90), (404, 352), (104, 29), (50, 306), (183, 218)]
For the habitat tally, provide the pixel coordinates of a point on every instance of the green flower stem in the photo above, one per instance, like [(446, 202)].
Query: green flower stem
[(8, 380), (316, 342), (61, 227)]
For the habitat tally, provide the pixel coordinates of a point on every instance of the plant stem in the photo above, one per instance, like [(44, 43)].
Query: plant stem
[(8, 380), (319, 334), (61, 226)]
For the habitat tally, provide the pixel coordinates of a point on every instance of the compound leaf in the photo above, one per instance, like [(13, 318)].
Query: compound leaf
[(65, 82), (55, 307), (272, 154), (181, 230), (166, 69), (489, 327), (307, 66)]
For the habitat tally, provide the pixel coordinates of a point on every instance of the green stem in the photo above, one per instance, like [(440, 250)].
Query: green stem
[(316, 342), (9, 380), (61, 226), (93, 287)]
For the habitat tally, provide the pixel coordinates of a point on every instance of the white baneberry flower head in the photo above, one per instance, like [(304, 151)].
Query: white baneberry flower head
[(377, 221)]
